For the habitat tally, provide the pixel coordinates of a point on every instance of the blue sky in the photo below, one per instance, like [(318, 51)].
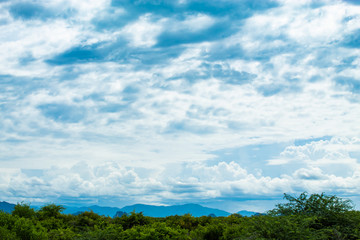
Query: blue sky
[(226, 103)]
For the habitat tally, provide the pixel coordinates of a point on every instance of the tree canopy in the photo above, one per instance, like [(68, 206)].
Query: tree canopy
[(315, 204), (315, 216)]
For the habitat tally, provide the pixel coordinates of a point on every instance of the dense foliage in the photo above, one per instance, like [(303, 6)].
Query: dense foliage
[(317, 216)]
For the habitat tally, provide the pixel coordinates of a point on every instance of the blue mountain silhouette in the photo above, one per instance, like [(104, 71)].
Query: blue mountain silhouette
[(6, 207), (195, 210)]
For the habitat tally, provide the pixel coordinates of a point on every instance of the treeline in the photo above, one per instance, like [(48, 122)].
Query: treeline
[(316, 216)]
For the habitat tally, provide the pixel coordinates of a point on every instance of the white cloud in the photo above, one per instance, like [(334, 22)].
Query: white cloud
[(309, 27), (325, 160), (192, 23), (321, 26), (143, 32), (84, 10), (174, 183), (310, 174)]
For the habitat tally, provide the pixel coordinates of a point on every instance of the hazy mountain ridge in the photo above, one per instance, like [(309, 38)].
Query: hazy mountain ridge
[(7, 207), (163, 211), (246, 213), (195, 210), (106, 211)]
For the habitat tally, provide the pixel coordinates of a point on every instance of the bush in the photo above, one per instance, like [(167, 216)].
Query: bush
[(23, 210), (26, 230), (6, 234)]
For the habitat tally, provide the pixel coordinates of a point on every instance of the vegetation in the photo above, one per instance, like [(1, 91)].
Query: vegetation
[(317, 216)]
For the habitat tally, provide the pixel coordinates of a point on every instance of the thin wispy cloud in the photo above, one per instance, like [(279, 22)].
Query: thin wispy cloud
[(119, 102)]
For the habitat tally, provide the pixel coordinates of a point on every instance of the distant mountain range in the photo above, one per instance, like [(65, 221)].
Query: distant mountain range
[(195, 210), (6, 207), (106, 211), (246, 213), (163, 211)]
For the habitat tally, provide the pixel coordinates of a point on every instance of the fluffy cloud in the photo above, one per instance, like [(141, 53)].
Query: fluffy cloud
[(316, 153), (323, 165)]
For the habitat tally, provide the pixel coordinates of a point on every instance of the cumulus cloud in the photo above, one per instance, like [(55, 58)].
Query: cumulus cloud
[(111, 179), (335, 150), (325, 165)]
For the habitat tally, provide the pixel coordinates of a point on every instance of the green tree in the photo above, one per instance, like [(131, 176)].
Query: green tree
[(62, 234), (187, 221), (135, 219), (212, 231), (23, 210), (6, 234), (7, 220), (50, 210), (315, 204), (25, 229)]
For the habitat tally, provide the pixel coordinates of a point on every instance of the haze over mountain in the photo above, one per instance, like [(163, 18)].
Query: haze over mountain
[(195, 210), (6, 207), (163, 211), (246, 213), (106, 211)]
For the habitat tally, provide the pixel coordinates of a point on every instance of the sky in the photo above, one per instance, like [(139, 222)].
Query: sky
[(227, 103)]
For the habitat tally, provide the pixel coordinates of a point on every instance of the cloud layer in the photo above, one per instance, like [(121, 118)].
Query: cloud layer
[(170, 101)]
